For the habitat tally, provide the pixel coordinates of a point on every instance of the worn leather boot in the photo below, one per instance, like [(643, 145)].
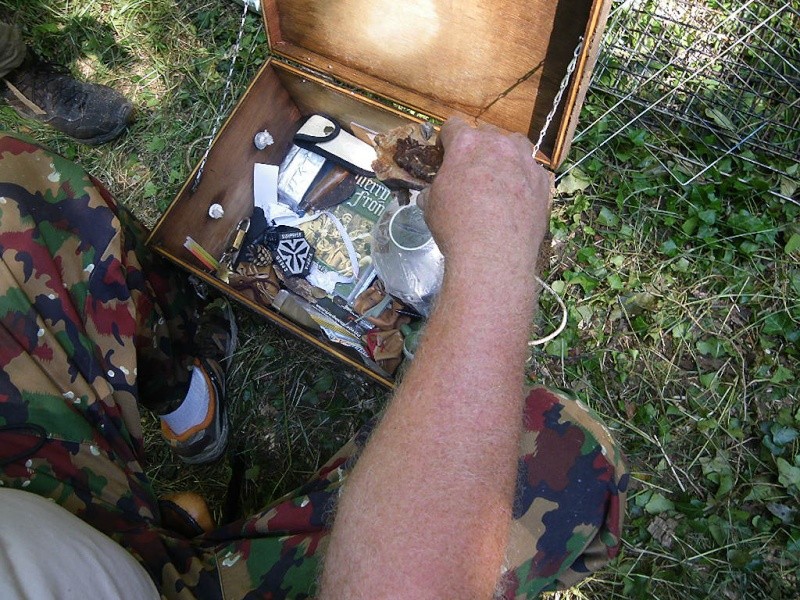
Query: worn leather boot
[(92, 114)]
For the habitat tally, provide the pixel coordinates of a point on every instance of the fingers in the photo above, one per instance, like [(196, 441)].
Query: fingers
[(455, 127), (451, 128), (422, 198)]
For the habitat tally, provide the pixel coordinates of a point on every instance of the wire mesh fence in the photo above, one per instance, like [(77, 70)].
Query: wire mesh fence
[(708, 80)]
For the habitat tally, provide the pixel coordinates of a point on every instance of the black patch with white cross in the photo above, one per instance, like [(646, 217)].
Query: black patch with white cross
[(290, 250)]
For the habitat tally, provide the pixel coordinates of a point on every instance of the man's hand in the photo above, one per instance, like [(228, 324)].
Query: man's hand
[(490, 198)]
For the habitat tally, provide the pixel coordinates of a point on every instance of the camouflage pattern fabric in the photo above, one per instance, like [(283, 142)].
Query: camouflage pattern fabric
[(86, 311)]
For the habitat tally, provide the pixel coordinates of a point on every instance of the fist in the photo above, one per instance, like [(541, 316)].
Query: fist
[(490, 201)]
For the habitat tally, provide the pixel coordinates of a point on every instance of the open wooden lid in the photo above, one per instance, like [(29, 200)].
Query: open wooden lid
[(497, 61)]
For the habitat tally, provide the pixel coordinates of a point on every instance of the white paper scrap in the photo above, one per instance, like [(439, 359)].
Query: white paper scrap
[(265, 192), (265, 186)]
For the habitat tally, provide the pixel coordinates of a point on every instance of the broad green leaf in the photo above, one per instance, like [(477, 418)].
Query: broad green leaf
[(634, 305), (582, 279), (574, 181), (669, 247), (150, 189), (615, 281), (720, 118), (689, 225), (709, 380), (761, 491), (718, 470), (739, 558), (607, 218), (709, 217), (745, 222), (156, 145), (658, 504), (681, 265), (748, 248), (252, 473), (783, 435), (788, 187), (788, 474), (637, 136), (782, 374), (557, 347), (713, 347), (718, 530), (324, 383), (793, 245)]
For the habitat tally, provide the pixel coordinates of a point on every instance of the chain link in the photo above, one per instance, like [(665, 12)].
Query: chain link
[(557, 100), (236, 49)]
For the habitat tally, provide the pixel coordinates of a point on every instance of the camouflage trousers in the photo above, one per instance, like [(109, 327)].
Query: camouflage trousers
[(88, 315)]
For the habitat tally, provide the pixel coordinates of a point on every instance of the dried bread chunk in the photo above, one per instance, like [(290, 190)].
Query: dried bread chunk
[(409, 156)]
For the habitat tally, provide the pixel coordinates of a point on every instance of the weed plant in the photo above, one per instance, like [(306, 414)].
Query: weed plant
[(684, 311)]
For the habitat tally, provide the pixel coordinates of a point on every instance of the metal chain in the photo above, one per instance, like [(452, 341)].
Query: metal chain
[(236, 49), (557, 100)]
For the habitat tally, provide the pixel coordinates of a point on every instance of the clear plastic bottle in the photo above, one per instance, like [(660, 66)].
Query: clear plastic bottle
[(406, 257)]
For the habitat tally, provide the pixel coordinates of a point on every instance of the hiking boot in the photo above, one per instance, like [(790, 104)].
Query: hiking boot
[(215, 342), (92, 114)]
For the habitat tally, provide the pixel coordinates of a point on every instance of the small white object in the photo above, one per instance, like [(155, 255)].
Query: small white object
[(263, 139), (215, 211), (317, 126), (265, 187)]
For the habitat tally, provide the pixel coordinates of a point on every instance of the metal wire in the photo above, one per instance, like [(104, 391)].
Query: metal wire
[(220, 110), (695, 75)]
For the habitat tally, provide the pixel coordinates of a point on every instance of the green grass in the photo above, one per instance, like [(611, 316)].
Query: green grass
[(684, 303)]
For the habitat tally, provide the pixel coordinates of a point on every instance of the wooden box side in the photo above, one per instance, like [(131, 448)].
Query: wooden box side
[(227, 176), (275, 101), (568, 122)]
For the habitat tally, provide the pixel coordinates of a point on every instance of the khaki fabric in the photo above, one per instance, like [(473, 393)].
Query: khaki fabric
[(89, 564), (12, 48)]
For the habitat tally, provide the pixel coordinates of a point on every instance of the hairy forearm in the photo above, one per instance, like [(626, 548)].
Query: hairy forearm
[(425, 512)]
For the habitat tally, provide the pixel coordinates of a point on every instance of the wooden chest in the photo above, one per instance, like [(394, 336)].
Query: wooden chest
[(383, 63)]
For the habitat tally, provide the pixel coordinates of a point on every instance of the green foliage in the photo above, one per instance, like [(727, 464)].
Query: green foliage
[(684, 328)]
